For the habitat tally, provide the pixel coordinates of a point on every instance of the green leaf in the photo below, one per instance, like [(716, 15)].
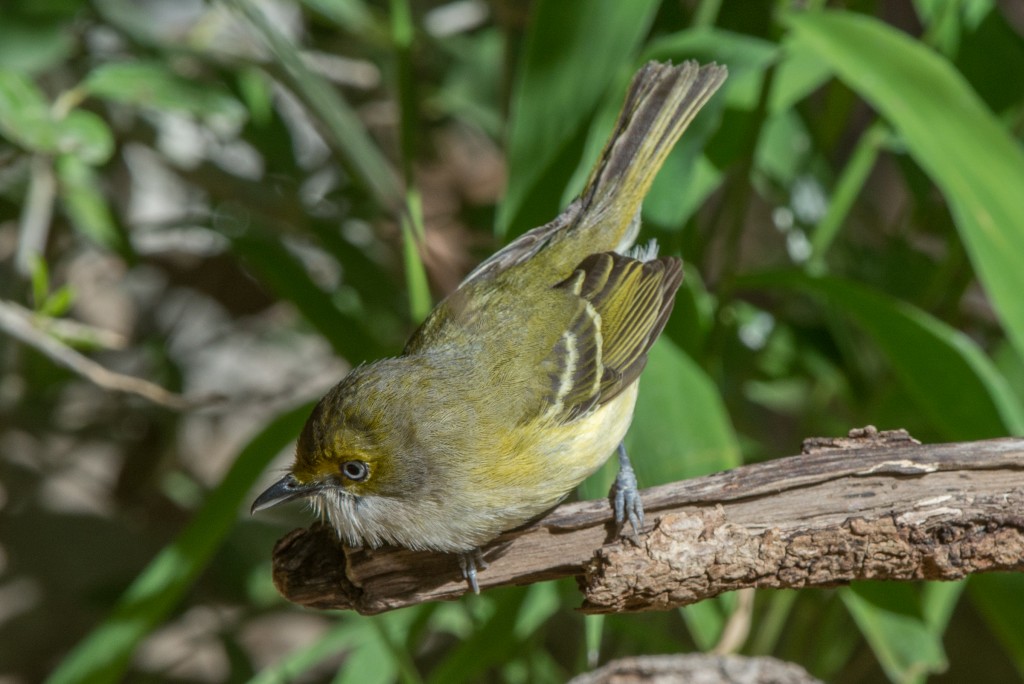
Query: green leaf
[(574, 50), (947, 129), (40, 277), (938, 600), (350, 634), (689, 176), (104, 654), (25, 114), (59, 302), (954, 383), (889, 617), (706, 620), (495, 641), (31, 46), (86, 136), (680, 427), (154, 85), (85, 204), (999, 599), (26, 118), (989, 49), (352, 15)]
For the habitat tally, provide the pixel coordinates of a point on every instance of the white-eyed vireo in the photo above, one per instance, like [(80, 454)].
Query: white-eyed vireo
[(520, 383)]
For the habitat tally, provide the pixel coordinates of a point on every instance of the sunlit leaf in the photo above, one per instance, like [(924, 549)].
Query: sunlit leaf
[(948, 130), (24, 113), (85, 203), (86, 136), (155, 85)]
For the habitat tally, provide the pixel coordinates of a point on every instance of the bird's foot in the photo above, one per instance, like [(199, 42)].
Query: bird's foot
[(470, 562), (626, 498)]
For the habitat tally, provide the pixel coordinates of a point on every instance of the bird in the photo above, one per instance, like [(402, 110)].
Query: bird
[(523, 380)]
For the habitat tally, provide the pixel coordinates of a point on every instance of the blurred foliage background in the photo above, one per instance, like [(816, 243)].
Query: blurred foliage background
[(238, 200)]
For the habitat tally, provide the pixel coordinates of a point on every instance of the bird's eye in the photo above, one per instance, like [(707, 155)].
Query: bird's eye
[(357, 471)]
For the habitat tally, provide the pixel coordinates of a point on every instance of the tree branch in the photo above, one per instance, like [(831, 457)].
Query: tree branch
[(872, 506), (17, 322), (698, 667)]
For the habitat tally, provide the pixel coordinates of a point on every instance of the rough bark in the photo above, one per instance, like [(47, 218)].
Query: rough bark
[(871, 506)]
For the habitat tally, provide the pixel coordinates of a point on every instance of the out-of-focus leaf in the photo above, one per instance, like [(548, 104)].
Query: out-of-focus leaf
[(344, 130), (352, 15), (990, 49), (369, 660), (381, 655), (998, 598), (574, 50), (938, 599), (350, 336), (26, 119), (348, 635), (946, 21), (680, 427), (39, 274), (952, 380), (256, 92), (889, 617), (689, 176), (153, 84), (493, 642), (24, 113), (846, 191), (104, 654), (85, 204), (706, 619), (29, 47), (86, 136), (978, 166), (58, 302)]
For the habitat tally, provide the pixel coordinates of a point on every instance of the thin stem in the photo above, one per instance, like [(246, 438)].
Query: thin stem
[(413, 233), (847, 189)]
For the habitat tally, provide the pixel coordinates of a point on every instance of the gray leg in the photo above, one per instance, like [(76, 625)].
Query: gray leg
[(627, 503), (470, 562)]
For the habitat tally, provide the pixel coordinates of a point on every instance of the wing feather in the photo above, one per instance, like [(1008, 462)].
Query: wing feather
[(623, 305)]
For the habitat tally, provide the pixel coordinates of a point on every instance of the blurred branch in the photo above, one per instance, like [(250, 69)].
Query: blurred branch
[(36, 213), (18, 322), (697, 667), (871, 506)]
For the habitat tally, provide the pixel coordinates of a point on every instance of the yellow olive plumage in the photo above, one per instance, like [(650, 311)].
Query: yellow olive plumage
[(522, 382)]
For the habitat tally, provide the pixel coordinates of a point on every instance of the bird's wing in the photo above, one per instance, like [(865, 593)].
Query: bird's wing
[(623, 305)]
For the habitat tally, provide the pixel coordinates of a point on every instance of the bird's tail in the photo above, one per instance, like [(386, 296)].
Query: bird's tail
[(661, 102)]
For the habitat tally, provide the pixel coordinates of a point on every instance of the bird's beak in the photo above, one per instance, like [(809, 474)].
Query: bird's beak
[(285, 489)]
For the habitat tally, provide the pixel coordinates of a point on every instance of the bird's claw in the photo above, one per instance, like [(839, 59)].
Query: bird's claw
[(626, 501), (470, 562)]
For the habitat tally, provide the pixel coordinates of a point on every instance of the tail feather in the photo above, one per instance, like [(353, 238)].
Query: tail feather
[(662, 101)]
